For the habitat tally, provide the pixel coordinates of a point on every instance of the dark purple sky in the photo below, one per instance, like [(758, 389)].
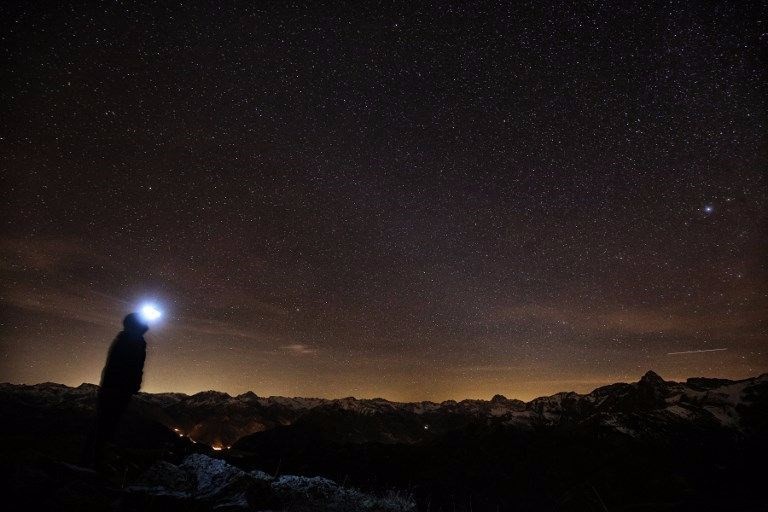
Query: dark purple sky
[(432, 202)]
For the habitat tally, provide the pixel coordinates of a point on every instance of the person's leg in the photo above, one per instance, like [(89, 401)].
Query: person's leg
[(110, 409), (88, 455), (95, 437)]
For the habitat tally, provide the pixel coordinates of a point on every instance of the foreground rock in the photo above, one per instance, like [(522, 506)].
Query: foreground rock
[(201, 482)]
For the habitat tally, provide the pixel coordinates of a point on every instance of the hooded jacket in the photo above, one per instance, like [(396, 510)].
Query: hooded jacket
[(125, 363)]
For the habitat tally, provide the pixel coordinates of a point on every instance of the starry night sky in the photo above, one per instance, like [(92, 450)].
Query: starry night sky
[(424, 202)]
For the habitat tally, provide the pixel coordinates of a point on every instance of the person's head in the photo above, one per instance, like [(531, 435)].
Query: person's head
[(133, 324)]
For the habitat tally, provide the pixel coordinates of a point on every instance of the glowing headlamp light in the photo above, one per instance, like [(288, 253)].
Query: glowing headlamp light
[(149, 313)]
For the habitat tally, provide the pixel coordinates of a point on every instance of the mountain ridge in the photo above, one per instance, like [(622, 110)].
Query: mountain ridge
[(648, 375), (220, 420)]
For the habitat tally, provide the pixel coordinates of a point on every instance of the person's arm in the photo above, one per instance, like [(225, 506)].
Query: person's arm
[(137, 356), (139, 368)]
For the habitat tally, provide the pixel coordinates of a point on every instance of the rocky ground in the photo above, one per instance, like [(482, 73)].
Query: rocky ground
[(198, 483)]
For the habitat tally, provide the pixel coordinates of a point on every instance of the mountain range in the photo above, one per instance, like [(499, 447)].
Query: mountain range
[(637, 409)]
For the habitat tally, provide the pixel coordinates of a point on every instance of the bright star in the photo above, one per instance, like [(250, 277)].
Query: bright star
[(709, 208)]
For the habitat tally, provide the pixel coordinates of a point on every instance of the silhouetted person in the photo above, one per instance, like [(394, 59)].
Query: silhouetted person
[(120, 380)]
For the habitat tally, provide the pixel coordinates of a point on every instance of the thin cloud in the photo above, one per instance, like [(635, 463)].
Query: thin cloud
[(489, 368), (44, 254), (621, 319), (66, 305), (299, 349), (214, 328)]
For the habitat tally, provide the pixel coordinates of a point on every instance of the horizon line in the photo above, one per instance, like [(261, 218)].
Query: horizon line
[(675, 380)]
